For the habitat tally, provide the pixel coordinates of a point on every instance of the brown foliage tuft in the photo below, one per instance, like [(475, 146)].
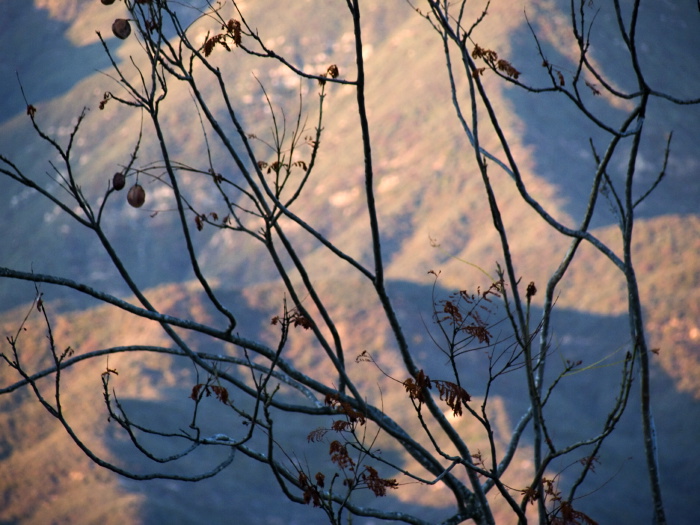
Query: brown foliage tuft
[(202, 389), (334, 401), (339, 456), (497, 64), (376, 484), (232, 33), (417, 387), (454, 395)]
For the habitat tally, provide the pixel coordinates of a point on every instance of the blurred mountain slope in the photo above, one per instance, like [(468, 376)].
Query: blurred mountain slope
[(427, 188)]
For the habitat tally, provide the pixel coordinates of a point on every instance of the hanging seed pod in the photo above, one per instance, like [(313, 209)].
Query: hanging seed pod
[(121, 28), (136, 196), (107, 2), (119, 181)]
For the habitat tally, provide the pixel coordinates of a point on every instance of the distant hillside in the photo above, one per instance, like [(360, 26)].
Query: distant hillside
[(156, 390), (427, 189)]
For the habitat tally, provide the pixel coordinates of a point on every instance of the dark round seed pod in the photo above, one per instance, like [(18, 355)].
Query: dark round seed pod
[(119, 181), (136, 196), (121, 28)]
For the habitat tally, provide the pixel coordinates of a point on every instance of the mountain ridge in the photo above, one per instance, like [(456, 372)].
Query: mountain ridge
[(422, 160)]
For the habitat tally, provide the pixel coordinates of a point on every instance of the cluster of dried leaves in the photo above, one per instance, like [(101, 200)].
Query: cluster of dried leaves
[(451, 393), (563, 512), (331, 72), (293, 318), (231, 33), (368, 477), (205, 389), (364, 476), (491, 58)]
